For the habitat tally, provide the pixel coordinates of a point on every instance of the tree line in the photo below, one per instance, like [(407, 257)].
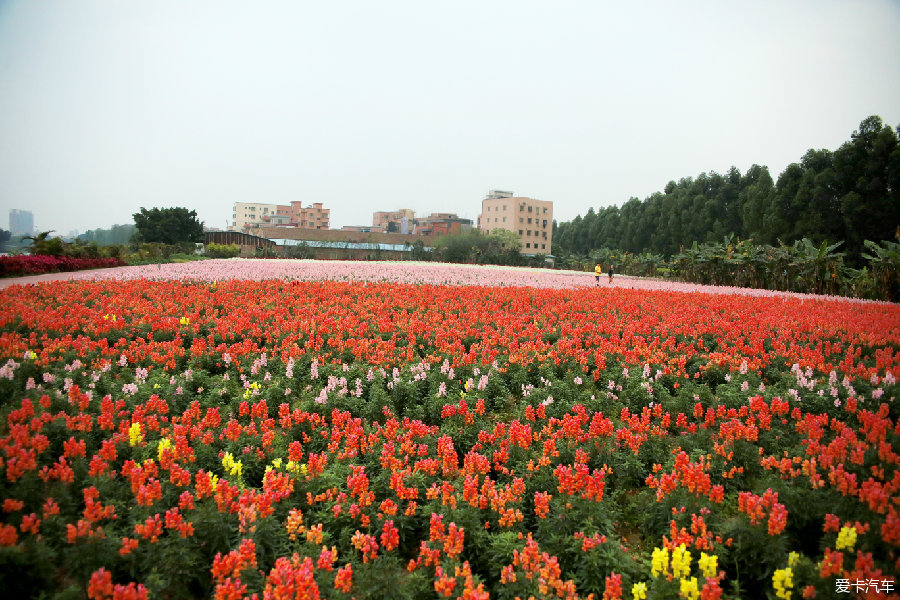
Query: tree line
[(845, 196)]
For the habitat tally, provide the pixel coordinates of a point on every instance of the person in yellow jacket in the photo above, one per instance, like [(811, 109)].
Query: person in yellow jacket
[(597, 272)]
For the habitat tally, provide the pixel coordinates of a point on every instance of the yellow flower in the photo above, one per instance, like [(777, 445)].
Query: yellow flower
[(782, 581), (294, 467), (660, 562), (846, 538), (709, 565), (276, 463), (681, 561), (233, 467), (793, 557), (30, 354), (185, 321), (135, 436), (689, 588), (639, 590), (163, 444)]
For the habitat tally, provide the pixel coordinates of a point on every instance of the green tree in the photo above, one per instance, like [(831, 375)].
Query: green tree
[(418, 251), (115, 235), (168, 226), (866, 172), (758, 204), (43, 244), (505, 239)]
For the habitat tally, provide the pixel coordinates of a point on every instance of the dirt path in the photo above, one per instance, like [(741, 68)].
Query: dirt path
[(32, 279)]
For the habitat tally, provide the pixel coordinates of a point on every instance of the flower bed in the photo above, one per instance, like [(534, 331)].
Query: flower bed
[(414, 273), (367, 439), (16, 266)]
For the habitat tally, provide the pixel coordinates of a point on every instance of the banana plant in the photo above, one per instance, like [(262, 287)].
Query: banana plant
[(884, 263)]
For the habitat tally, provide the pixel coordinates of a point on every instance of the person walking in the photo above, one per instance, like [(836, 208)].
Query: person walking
[(597, 272), (612, 270)]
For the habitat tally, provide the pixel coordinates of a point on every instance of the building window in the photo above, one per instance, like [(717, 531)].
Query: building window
[(520, 232), (521, 220), (504, 219), (527, 245), (543, 246), (529, 209), (529, 220)]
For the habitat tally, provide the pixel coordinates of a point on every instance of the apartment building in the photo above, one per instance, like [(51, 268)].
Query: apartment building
[(308, 217), (438, 224), (252, 215), (401, 219), (530, 219)]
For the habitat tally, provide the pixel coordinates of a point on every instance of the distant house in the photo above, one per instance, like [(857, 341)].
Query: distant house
[(530, 219)]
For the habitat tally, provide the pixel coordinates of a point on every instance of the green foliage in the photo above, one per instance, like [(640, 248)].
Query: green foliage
[(43, 245), (802, 267), (418, 251), (301, 250), (495, 248), (115, 235), (851, 195), (222, 250), (265, 252), (168, 226)]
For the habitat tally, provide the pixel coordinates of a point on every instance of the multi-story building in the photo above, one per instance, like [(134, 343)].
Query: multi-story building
[(252, 215), (401, 220), (21, 222), (438, 224), (307, 217), (530, 219)]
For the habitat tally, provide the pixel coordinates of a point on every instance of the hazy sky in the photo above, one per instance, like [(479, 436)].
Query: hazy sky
[(109, 106)]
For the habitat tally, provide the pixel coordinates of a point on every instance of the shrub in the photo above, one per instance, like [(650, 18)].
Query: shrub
[(16, 266), (214, 250)]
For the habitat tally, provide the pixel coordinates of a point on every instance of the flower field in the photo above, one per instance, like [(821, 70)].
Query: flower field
[(443, 432), (409, 272)]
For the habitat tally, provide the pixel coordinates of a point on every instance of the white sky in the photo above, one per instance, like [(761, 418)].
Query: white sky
[(107, 106)]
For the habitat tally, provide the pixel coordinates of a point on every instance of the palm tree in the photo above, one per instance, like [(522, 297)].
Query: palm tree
[(42, 244)]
